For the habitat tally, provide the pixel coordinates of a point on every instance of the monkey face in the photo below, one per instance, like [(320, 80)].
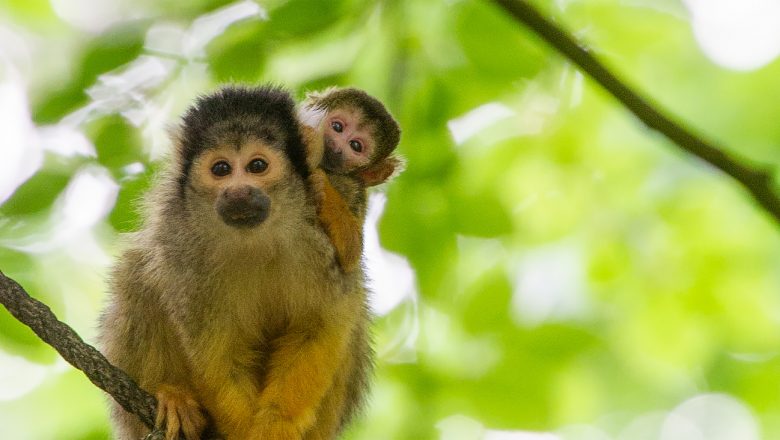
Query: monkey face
[(238, 180), (348, 139)]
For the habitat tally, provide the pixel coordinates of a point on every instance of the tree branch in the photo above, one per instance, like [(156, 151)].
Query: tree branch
[(758, 182), (39, 317)]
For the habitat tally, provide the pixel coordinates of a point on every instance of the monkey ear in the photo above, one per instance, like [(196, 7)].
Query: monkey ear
[(382, 171)]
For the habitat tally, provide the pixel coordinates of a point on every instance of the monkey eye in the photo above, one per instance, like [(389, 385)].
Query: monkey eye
[(337, 126), (356, 146), (257, 166), (221, 169)]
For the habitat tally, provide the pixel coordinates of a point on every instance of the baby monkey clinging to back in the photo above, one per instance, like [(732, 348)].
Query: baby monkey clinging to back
[(227, 304), (358, 137)]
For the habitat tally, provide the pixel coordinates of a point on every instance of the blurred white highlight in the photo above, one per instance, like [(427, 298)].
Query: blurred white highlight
[(86, 201), (582, 432), (390, 277), (21, 154), (549, 285), (518, 435), (88, 198), (148, 89), (207, 27), (133, 169), (18, 376), (66, 141), (711, 417), (124, 90), (173, 40), (391, 283), (482, 117), (494, 122), (89, 15), (737, 34), (460, 427)]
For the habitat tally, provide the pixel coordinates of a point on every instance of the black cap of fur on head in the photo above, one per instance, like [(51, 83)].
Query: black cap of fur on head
[(237, 113), (387, 132)]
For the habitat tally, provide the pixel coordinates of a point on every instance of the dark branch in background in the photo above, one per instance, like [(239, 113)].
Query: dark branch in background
[(39, 317), (758, 182)]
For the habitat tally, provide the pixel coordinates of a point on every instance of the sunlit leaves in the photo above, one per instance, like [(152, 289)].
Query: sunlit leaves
[(37, 193), (112, 49), (240, 53), (678, 283), (496, 45)]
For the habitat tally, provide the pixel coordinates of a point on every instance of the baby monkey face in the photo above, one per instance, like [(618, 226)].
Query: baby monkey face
[(237, 181), (348, 139)]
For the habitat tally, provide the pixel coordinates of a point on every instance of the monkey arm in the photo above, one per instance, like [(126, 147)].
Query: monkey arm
[(315, 148), (137, 337), (342, 227), (302, 369)]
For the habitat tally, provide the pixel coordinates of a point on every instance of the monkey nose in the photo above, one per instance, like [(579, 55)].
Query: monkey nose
[(243, 207)]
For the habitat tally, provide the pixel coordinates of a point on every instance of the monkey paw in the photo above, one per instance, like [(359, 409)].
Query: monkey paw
[(179, 412), (269, 424)]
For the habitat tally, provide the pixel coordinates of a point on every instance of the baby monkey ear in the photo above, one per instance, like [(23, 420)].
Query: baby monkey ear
[(382, 171)]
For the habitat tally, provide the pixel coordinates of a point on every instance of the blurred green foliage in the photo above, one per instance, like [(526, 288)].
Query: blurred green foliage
[(571, 267)]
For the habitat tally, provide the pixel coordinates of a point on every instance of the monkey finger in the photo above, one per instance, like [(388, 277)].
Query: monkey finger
[(179, 412), (191, 420), (161, 412), (171, 423)]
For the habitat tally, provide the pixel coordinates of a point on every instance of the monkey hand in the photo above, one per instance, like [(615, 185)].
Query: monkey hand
[(315, 148), (179, 412), (340, 224), (270, 424)]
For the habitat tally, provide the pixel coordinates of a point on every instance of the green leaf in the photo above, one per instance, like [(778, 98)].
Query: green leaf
[(37, 193), (302, 18), (497, 47), (240, 53), (110, 50), (118, 143), (481, 215), (127, 215)]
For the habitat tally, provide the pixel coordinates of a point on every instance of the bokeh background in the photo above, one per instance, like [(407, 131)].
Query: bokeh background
[(545, 269)]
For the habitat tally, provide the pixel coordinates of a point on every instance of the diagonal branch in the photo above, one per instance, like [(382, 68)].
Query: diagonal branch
[(39, 317), (758, 182)]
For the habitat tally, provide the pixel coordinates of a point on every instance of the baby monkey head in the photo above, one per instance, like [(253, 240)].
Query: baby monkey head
[(359, 134), (240, 151)]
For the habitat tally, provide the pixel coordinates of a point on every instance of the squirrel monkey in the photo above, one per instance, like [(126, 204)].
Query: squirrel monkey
[(356, 136), (228, 305)]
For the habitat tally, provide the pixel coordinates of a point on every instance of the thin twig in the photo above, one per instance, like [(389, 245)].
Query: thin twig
[(758, 182)]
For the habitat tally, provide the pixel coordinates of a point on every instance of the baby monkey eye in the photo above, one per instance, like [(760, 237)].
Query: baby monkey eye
[(221, 169), (356, 146), (257, 166), (337, 126)]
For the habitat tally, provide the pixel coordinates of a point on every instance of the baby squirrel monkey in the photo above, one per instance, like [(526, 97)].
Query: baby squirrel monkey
[(357, 137), (228, 304)]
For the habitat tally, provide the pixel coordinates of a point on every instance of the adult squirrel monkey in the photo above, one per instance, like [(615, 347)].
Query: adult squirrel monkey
[(357, 137), (228, 305)]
